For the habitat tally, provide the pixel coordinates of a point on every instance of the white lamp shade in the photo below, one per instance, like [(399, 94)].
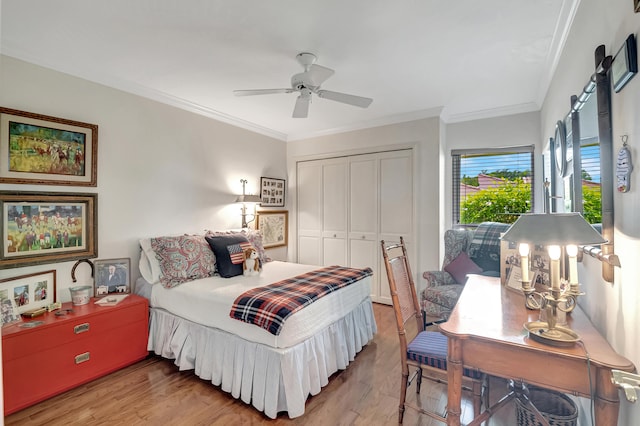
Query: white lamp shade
[(553, 229), (248, 199)]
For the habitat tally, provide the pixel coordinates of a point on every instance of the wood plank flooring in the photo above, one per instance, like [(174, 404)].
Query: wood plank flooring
[(154, 392)]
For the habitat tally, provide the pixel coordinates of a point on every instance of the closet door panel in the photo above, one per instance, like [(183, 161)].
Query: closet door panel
[(396, 194), (309, 191), (309, 250), (309, 214), (334, 251), (364, 253), (334, 197), (363, 196)]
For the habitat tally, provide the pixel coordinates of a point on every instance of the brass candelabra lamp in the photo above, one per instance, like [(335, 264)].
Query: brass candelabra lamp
[(560, 233)]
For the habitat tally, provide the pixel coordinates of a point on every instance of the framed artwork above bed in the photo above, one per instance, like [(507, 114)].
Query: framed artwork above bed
[(273, 225), (272, 192), (43, 150), (48, 227)]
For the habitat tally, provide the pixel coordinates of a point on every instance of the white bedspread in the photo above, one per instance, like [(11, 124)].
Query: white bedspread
[(243, 359), (208, 302)]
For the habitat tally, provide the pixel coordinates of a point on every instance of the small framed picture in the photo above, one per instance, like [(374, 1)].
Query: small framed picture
[(272, 192), (273, 225), (112, 276), (27, 292), (625, 64)]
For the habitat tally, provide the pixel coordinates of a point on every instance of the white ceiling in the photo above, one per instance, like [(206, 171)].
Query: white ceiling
[(461, 59)]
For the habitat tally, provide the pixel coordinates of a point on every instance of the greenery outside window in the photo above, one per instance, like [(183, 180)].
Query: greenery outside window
[(492, 184)]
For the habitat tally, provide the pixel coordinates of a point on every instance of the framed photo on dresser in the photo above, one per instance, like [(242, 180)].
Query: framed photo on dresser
[(27, 292)]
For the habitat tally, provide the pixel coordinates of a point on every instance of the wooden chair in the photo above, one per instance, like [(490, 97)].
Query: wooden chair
[(427, 350)]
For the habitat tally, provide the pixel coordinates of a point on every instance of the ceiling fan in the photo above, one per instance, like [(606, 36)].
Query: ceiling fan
[(309, 82)]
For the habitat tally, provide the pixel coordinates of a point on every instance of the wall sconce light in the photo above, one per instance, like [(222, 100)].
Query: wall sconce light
[(247, 199), (560, 233)]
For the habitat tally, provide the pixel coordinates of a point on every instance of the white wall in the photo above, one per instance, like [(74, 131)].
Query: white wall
[(613, 307), (161, 170)]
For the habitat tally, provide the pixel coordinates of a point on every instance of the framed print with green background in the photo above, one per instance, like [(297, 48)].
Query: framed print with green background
[(272, 192), (27, 292), (273, 226), (42, 228), (42, 150)]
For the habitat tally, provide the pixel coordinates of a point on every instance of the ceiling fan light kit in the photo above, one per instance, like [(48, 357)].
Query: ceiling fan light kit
[(308, 82)]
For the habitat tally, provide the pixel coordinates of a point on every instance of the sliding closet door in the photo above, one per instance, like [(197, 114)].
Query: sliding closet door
[(395, 208), (346, 205), (309, 196), (363, 216), (334, 211)]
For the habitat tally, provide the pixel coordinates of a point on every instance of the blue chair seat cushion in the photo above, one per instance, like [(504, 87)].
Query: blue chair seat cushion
[(430, 348)]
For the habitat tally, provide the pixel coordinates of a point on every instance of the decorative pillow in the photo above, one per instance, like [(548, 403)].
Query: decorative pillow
[(229, 252), (181, 259), (149, 264), (254, 236), (461, 266)]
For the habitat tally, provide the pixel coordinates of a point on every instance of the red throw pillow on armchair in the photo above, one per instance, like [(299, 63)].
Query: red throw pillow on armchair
[(461, 266)]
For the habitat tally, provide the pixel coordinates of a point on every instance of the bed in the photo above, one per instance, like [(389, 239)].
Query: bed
[(190, 323)]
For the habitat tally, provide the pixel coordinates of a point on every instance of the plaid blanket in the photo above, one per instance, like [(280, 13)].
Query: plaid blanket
[(269, 306), (484, 249)]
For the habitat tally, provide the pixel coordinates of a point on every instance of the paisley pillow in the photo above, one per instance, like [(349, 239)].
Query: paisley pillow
[(184, 258)]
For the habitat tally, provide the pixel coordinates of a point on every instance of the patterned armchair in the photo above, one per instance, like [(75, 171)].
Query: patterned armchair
[(466, 251)]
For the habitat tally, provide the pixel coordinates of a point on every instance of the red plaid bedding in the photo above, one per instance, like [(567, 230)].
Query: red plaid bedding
[(269, 306)]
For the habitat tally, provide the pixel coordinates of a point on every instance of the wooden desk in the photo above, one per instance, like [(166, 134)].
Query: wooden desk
[(486, 331)]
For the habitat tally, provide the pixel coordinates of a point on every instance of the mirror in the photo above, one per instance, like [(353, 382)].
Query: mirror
[(586, 180)]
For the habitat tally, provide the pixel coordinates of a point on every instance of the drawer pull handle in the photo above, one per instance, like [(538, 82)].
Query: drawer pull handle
[(82, 358), (81, 328)]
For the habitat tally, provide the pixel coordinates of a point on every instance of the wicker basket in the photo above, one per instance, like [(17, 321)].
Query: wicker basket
[(557, 408)]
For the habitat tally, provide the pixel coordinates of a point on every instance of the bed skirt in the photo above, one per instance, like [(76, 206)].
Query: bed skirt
[(272, 380)]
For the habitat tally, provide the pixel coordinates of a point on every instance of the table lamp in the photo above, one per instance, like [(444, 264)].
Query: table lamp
[(558, 232), (247, 199)]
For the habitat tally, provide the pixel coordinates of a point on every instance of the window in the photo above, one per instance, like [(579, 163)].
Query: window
[(492, 184)]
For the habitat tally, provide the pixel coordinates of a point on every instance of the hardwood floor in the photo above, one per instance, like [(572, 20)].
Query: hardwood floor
[(154, 392)]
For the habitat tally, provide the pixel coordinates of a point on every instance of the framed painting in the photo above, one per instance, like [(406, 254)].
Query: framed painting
[(26, 293), (42, 150), (47, 227), (272, 192), (112, 276), (273, 225)]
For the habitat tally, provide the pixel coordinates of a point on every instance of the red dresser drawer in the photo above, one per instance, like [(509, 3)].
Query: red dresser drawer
[(67, 351), (86, 320)]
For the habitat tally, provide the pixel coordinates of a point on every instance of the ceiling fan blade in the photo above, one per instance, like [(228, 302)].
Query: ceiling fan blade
[(344, 98), (261, 92), (318, 74), (301, 110)]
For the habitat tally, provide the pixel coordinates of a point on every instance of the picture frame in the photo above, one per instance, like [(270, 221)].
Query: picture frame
[(44, 150), (272, 192), (510, 267), (625, 63), (112, 276), (42, 228), (26, 293), (636, 6), (274, 227)]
